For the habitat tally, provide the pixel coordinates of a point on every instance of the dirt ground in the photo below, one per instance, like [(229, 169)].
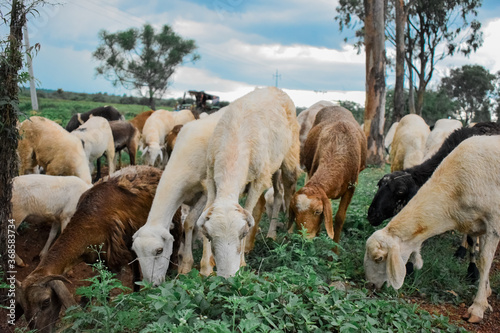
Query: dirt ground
[(32, 239)]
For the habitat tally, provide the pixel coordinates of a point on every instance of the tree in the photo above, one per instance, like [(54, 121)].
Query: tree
[(434, 29), (141, 59), (11, 62), (375, 80), (473, 88)]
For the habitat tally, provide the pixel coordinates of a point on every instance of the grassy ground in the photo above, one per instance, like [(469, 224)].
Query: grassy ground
[(291, 285)]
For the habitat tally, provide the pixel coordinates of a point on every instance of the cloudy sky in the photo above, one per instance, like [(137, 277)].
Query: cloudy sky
[(242, 45)]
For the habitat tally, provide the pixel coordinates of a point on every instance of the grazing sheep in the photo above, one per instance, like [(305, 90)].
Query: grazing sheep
[(181, 183), (334, 154), (53, 198), (97, 139), (45, 143), (139, 120), (258, 135), (441, 130), (408, 145), (108, 112), (155, 130), (125, 135), (306, 119), (111, 222), (396, 189), (463, 195)]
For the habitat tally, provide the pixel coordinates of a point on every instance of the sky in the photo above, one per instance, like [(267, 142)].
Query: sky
[(243, 44)]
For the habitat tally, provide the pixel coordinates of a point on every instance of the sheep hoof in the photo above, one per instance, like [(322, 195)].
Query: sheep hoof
[(22, 265), (475, 319)]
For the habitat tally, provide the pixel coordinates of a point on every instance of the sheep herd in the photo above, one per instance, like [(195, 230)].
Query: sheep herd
[(444, 179)]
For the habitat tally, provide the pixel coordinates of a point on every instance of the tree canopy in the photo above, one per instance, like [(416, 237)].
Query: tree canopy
[(473, 88), (435, 29), (141, 59)]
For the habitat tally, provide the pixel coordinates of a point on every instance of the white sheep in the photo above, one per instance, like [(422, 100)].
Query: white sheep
[(442, 129), (45, 143), (53, 198), (408, 145), (155, 130), (97, 139), (306, 119), (258, 135), (463, 195), (181, 182)]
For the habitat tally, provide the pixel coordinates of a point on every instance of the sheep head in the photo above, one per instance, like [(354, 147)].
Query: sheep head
[(309, 206), (41, 300), (153, 246), (225, 224), (383, 260), (394, 191), (153, 154)]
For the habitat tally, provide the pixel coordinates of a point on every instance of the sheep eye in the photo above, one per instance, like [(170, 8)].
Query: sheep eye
[(318, 212), (159, 251), (378, 259), (45, 303)]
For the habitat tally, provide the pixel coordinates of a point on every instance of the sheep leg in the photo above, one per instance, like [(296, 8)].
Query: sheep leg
[(489, 243), (52, 235), (98, 172), (472, 271), (110, 156), (341, 214), (119, 159), (187, 251), (276, 203), (462, 249), (207, 260), (254, 194), (257, 215)]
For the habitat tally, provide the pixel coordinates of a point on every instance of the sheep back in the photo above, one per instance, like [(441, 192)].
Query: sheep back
[(47, 144), (408, 145)]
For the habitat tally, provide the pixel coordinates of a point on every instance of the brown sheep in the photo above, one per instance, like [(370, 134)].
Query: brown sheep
[(109, 213), (334, 154), (139, 120)]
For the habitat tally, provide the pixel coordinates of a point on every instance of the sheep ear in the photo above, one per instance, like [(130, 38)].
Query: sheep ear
[(327, 213), (62, 292), (250, 222), (395, 267)]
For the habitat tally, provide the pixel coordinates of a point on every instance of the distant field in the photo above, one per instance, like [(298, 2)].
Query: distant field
[(61, 110)]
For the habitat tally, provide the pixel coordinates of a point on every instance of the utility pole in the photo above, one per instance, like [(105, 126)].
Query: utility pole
[(277, 76), (34, 100)]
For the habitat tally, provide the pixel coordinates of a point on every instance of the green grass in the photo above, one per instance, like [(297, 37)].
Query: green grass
[(61, 110), (291, 285)]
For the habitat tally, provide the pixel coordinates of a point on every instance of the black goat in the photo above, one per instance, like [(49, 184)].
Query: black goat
[(108, 112)]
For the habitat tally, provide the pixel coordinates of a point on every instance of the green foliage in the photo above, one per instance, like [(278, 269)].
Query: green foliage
[(473, 88), (141, 59), (293, 284)]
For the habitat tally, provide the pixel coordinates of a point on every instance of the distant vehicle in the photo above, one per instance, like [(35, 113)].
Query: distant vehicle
[(200, 105)]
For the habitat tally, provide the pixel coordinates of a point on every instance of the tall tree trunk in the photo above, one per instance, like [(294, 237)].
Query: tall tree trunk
[(399, 98), (375, 80), (9, 68), (152, 99)]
